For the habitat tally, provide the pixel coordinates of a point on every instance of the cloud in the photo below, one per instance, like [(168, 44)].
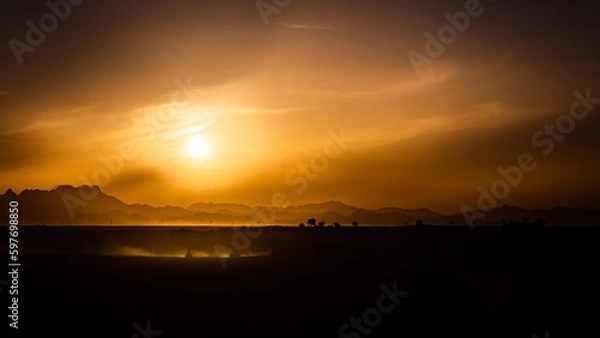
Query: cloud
[(412, 84), (51, 120), (264, 110), (403, 84), (135, 178), (306, 26), (36, 126), (23, 151), (188, 119)]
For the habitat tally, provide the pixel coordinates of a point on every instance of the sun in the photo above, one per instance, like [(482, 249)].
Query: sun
[(197, 147)]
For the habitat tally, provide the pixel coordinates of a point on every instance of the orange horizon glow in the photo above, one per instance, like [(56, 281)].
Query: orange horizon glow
[(216, 106)]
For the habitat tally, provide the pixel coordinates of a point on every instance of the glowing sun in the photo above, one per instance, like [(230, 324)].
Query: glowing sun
[(197, 147)]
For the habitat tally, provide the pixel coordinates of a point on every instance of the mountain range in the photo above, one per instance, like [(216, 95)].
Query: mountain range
[(43, 207)]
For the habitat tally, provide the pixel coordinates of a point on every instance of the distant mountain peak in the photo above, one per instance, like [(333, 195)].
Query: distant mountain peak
[(48, 207), (68, 187), (63, 187)]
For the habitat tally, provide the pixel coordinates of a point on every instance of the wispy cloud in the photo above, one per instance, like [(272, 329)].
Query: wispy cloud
[(306, 26), (264, 110), (404, 85), (51, 120), (493, 115), (380, 137), (36, 126)]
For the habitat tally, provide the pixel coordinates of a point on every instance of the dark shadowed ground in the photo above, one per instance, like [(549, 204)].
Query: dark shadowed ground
[(291, 282)]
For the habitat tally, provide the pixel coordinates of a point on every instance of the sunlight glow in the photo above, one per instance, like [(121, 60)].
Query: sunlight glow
[(197, 147)]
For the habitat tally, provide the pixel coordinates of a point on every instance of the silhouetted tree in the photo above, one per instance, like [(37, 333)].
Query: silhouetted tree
[(511, 224), (523, 223), (321, 224), (538, 223), (301, 225), (312, 221), (335, 225), (355, 223)]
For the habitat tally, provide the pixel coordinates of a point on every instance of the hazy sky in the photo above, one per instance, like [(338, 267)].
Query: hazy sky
[(265, 98)]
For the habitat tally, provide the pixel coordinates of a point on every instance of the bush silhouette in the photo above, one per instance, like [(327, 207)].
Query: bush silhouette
[(523, 224)]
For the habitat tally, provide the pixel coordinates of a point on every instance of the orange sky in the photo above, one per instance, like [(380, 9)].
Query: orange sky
[(265, 99)]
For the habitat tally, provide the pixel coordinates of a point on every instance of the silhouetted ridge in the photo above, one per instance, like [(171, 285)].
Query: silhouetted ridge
[(90, 206)]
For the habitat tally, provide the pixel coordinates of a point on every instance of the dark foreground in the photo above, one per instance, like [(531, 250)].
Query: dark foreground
[(488, 282)]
